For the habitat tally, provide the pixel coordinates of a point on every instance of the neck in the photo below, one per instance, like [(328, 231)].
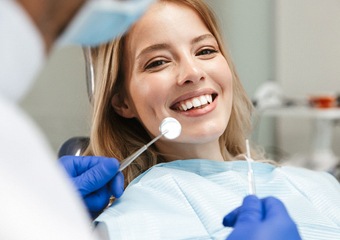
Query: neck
[(175, 151)]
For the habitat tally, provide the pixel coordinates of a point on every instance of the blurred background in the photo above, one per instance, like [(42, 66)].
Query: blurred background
[(293, 44)]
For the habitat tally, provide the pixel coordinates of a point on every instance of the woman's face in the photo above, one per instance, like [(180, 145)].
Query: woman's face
[(175, 69)]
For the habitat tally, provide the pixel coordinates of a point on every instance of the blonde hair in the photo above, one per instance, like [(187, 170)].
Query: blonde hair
[(115, 136)]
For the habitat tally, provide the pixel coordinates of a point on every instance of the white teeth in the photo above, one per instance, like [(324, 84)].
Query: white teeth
[(203, 100), (184, 107), (195, 102), (189, 105), (209, 98)]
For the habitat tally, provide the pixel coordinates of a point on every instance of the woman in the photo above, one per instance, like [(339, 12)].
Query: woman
[(172, 64), (109, 109)]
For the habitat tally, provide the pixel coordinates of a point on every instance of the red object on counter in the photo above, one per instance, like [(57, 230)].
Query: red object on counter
[(323, 101)]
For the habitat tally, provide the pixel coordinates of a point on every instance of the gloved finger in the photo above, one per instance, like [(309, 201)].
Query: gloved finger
[(86, 162), (230, 219), (277, 214), (76, 165), (70, 164), (250, 211), (116, 185), (97, 200), (97, 176)]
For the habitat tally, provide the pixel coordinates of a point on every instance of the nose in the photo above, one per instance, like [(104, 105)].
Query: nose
[(190, 71)]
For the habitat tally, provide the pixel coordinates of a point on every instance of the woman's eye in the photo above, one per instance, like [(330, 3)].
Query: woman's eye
[(206, 52), (154, 64)]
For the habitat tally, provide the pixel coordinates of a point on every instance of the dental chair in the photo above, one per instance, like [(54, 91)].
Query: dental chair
[(74, 146), (77, 145)]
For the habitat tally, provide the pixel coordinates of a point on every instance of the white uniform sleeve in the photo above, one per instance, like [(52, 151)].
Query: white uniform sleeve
[(37, 200), (22, 51)]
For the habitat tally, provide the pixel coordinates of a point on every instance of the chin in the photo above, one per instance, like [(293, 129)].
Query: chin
[(201, 137)]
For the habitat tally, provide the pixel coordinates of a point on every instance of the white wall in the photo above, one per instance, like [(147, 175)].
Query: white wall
[(248, 29), (308, 62), (58, 101)]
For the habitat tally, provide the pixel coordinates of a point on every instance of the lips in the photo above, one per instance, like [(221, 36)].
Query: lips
[(194, 103)]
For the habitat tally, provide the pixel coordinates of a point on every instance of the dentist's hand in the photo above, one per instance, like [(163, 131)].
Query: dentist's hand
[(261, 219), (95, 178)]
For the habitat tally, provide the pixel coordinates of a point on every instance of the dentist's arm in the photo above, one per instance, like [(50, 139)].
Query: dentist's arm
[(96, 179), (261, 219)]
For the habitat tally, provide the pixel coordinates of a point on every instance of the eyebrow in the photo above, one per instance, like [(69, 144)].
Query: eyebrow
[(201, 38), (152, 48), (162, 46)]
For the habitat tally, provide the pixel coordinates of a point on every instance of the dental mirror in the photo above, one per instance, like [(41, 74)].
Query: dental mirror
[(170, 128)]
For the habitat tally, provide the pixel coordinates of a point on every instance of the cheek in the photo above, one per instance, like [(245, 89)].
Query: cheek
[(148, 94), (228, 89), (147, 97), (225, 81), (223, 77)]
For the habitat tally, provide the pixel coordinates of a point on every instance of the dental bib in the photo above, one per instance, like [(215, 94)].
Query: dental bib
[(188, 200)]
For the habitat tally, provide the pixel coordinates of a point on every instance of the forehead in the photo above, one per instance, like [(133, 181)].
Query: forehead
[(163, 22)]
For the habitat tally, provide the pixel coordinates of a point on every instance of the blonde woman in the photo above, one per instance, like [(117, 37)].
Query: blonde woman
[(172, 63)]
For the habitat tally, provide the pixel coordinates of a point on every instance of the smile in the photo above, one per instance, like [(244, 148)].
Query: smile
[(195, 102)]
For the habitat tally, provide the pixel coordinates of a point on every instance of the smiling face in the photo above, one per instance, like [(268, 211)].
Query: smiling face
[(174, 68)]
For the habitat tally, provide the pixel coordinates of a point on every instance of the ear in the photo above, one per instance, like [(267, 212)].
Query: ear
[(122, 106)]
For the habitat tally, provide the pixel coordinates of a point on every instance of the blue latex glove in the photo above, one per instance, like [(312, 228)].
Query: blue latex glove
[(261, 219), (95, 178)]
